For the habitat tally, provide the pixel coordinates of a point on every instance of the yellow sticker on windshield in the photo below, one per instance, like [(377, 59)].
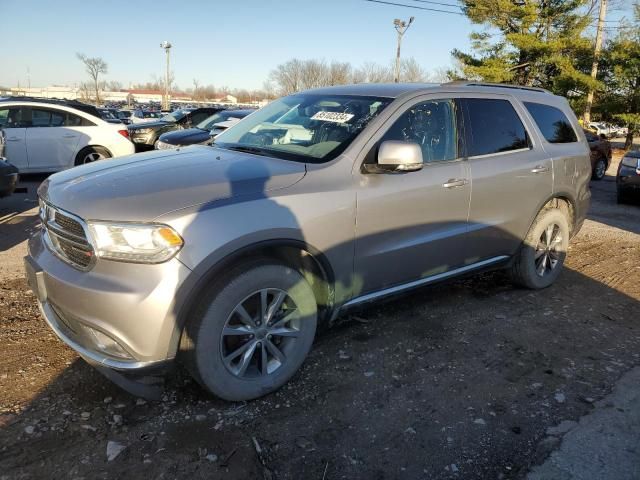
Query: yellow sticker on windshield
[(336, 117)]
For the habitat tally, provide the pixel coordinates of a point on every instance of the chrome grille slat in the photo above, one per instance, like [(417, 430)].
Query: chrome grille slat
[(67, 237)]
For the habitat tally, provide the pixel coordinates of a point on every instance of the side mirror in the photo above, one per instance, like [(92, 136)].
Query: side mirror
[(397, 157)]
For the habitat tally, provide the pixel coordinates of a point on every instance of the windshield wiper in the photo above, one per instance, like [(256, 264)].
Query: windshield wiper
[(247, 149)]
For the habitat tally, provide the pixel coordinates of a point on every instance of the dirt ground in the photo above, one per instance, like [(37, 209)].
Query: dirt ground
[(460, 380)]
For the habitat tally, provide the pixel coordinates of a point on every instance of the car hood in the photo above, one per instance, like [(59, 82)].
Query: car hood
[(149, 124), (142, 187), (185, 137)]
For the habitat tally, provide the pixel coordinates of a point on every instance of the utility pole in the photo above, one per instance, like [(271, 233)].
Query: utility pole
[(166, 103), (401, 27), (596, 58)]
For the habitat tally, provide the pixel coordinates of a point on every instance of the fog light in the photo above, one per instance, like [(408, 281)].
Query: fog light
[(105, 343)]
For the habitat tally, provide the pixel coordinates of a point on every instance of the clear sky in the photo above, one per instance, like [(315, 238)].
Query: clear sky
[(232, 43), (221, 42)]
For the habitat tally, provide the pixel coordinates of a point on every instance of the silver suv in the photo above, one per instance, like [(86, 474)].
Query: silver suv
[(228, 258)]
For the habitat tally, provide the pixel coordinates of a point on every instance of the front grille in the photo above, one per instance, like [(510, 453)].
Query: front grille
[(67, 237), (69, 224)]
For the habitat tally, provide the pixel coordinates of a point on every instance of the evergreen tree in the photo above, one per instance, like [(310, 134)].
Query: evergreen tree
[(530, 42)]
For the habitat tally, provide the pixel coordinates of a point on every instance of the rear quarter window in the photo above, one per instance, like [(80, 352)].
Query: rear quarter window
[(492, 126), (552, 122)]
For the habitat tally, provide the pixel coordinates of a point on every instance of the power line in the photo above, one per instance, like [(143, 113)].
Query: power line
[(415, 7), (438, 3)]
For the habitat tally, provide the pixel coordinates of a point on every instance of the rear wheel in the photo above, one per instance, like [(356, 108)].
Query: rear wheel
[(599, 169), (91, 154), (253, 334), (541, 256)]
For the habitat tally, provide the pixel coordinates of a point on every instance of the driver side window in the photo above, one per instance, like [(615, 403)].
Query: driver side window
[(433, 126)]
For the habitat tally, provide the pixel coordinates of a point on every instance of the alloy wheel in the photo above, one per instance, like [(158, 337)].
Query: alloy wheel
[(548, 251), (92, 157), (260, 333)]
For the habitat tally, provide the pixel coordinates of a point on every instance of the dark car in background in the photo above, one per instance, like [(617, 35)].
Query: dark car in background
[(8, 172), (108, 115), (600, 153), (203, 132), (628, 177), (145, 135), (124, 116)]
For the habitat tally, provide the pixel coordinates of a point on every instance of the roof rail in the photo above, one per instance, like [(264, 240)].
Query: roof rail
[(468, 83)]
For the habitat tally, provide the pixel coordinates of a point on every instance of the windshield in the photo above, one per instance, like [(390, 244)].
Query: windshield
[(174, 116), (305, 127)]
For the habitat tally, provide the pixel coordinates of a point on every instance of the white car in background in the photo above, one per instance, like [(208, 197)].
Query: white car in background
[(43, 136)]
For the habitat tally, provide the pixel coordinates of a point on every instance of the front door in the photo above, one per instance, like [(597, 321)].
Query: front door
[(413, 225)]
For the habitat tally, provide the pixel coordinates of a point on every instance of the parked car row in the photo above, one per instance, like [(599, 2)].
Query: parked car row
[(146, 135), (608, 130), (204, 131)]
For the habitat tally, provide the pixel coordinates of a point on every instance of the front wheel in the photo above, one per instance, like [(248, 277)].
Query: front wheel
[(253, 334), (541, 256)]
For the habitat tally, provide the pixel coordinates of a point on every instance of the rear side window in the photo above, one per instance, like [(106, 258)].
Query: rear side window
[(552, 122), (77, 121), (492, 126)]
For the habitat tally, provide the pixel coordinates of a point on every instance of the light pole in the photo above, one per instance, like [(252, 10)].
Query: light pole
[(165, 99), (401, 27)]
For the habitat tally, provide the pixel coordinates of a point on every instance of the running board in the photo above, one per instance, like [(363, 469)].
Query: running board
[(423, 281)]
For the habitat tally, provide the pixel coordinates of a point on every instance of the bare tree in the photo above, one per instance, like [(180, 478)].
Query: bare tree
[(287, 77), (339, 73), (411, 71), (94, 67), (371, 72)]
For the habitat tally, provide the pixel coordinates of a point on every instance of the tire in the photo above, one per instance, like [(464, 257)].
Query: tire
[(526, 268), (599, 169), (91, 154), (229, 322)]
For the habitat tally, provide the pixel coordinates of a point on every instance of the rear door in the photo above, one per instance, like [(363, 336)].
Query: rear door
[(11, 121), (510, 174), (51, 144)]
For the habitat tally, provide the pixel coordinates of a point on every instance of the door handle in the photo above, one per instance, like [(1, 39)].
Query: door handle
[(13, 139), (455, 182), (69, 136), (539, 169)]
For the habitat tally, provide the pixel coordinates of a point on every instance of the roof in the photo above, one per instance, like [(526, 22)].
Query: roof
[(394, 90)]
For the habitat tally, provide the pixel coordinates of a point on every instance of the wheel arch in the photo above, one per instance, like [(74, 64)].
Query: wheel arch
[(305, 258), (563, 201)]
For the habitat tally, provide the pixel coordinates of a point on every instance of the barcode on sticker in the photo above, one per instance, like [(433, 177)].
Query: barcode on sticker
[(336, 117)]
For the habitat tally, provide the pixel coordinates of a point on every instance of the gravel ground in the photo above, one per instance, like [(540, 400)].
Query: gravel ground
[(461, 380)]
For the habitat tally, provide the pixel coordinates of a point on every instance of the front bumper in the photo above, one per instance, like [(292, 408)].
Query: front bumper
[(132, 305), (628, 180)]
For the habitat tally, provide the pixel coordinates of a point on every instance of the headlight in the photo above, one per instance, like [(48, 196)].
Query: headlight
[(631, 162), (136, 243)]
